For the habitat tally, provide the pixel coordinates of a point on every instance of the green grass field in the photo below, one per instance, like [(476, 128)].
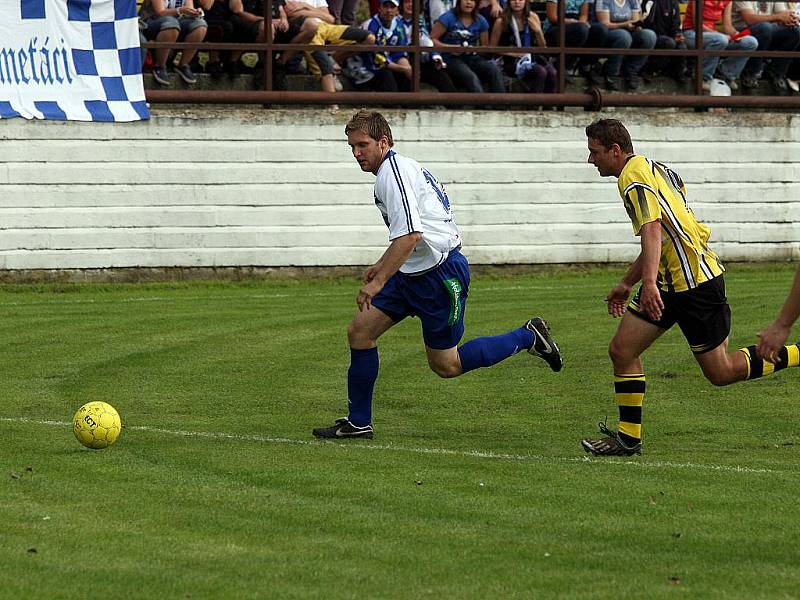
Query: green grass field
[(472, 488)]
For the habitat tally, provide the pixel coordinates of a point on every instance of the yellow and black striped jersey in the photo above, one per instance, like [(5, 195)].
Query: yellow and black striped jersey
[(651, 191)]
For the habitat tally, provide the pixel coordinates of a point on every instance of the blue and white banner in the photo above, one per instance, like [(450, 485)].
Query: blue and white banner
[(71, 60)]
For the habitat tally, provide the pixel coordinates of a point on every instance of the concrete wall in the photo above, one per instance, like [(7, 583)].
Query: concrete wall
[(236, 187)]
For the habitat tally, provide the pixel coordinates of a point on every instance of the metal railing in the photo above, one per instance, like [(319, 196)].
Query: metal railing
[(592, 99)]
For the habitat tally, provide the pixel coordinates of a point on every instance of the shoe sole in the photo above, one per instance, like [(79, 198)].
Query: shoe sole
[(587, 447), (367, 436), (162, 81)]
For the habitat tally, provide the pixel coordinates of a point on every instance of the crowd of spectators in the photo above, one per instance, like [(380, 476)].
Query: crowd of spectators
[(332, 27)]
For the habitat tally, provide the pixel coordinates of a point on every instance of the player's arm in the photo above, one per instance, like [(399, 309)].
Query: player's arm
[(617, 298), (376, 276), (774, 336), (650, 300)]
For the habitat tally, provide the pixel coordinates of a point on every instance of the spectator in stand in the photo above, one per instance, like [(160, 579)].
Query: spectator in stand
[(776, 28), (435, 9), (464, 26), (520, 27), (729, 68), (625, 30), (578, 33), (490, 9), (317, 9), (219, 17), (249, 25), (173, 21), (390, 30), (314, 12), (358, 68), (664, 18), (344, 11), (433, 69)]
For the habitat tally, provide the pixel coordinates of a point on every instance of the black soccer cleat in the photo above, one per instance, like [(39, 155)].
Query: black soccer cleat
[(343, 429), (544, 346), (611, 445)]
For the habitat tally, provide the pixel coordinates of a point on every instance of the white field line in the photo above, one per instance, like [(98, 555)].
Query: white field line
[(642, 463)]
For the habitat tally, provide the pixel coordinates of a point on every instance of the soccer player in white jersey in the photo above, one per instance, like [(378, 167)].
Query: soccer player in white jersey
[(422, 273)]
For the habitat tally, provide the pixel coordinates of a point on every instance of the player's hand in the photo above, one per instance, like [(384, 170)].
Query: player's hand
[(651, 302), (617, 299), (366, 294), (771, 340), (369, 274), (786, 18)]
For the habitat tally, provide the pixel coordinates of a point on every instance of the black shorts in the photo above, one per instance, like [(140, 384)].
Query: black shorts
[(702, 314)]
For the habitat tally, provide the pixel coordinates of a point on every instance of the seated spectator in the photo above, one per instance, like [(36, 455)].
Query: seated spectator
[(249, 27), (490, 9), (775, 27), (433, 69), (173, 21), (434, 9), (522, 28), (578, 33), (664, 18), (344, 11), (220, 30), (317, 9), (728, 69), (390, 30), (463, 26), (625, 30), (325, 66), (313, 12)]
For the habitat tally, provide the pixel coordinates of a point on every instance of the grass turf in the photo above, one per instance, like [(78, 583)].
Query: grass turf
[(474, 487)]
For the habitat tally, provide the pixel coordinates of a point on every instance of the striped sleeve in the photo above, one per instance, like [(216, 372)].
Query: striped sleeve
[(397, 192), (638, 191)]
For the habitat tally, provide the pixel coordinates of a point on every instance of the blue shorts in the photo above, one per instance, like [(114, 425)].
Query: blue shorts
[(438, 297)]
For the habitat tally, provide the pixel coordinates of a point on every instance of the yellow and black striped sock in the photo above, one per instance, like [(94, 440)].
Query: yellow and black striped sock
[(788, 356), (629, 394)]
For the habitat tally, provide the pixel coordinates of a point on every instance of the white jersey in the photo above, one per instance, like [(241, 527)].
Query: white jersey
[(412, 200)]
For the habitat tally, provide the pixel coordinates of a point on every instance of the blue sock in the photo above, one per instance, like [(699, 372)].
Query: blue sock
[(361, 378), (487, 351)]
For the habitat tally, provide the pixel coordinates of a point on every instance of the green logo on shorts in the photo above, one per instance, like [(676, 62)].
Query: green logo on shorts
[(454, 290)]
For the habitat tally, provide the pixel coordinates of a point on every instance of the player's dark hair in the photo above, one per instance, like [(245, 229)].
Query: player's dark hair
[(609, 132), (372, 123)]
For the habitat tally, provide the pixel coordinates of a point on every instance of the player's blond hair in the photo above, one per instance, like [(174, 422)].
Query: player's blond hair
[(609, 132), (372, 123)]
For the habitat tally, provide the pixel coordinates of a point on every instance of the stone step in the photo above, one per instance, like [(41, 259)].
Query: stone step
[(542, 151), (154, 194)]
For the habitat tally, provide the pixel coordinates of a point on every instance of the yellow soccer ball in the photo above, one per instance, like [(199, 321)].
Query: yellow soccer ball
[(96, 425)]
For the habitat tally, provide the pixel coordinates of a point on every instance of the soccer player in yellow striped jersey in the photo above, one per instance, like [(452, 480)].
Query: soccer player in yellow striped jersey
[(681, 282)]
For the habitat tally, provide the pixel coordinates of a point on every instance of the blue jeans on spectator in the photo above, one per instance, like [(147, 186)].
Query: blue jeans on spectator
[(672, 67), (729, 68), (575, 36), (468, 71), (622, 38), (772, 36)]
